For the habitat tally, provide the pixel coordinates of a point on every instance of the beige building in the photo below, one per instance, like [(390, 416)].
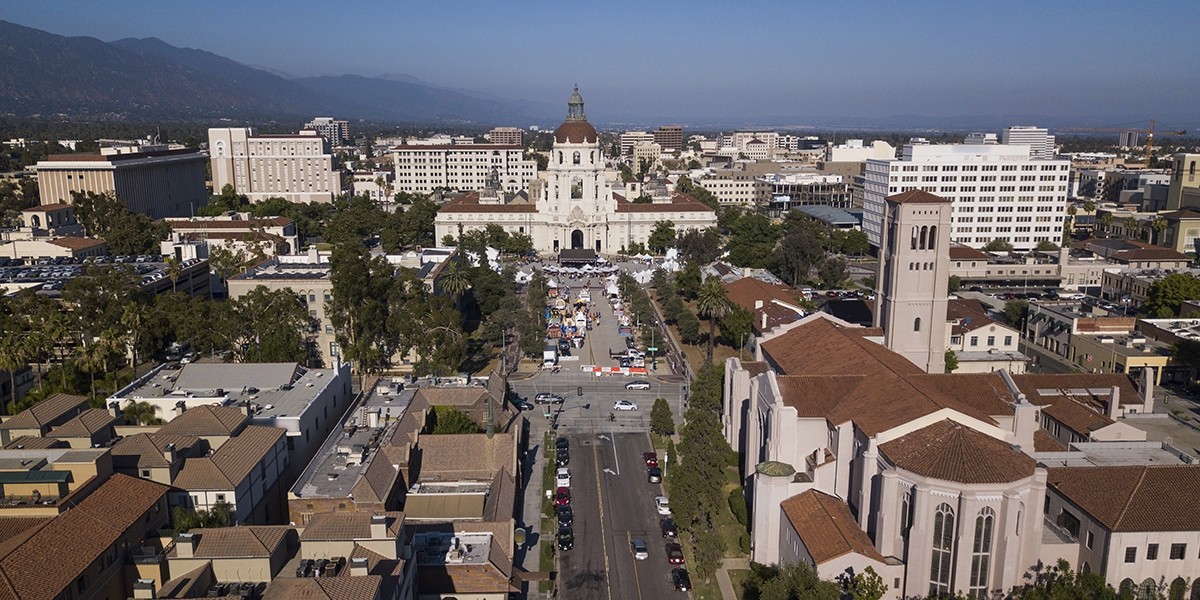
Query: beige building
[(240, 233), (980, 343), (650, 154), (1184, 190), (467, 167), (154, 181), (508, 136), (1183, 229), (255, 553), (243, 473), (295, 167)]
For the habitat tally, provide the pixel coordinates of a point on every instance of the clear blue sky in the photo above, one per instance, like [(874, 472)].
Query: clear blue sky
[(702, 58)]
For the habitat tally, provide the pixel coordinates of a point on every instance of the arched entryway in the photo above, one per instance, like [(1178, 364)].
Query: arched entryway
[(576, 239)]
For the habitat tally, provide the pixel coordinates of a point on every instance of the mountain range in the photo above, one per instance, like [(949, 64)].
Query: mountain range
[(43, 74)]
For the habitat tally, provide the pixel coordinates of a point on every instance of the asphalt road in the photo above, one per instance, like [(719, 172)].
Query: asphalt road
[(613, 504)]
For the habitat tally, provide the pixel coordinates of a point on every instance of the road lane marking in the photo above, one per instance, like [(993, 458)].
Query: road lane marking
[(616, 461), (637, 582), (603, 535)]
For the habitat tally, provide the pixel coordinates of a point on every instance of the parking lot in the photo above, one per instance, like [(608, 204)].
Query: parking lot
[(613, 504)]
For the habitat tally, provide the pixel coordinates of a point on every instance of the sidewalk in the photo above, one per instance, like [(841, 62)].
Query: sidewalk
[(723, 581)]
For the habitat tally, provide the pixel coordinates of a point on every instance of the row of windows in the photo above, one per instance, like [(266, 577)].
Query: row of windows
[(1177, 552), (973, 168)]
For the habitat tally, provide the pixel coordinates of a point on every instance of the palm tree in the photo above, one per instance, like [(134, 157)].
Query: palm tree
[(1106, 220), (1131, 227), (1158, 226), (95, 353), (14, 354), (173, 270), (713, 303), (141, 413), (454, 280), (1089, 206)]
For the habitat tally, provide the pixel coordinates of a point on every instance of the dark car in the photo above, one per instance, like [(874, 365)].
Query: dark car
[(563, 496), (680, 578), (669, 530), (566, 516), (566, 538), (562, 458), (562, 444), (523, 405), (674, 554), (654, 475)]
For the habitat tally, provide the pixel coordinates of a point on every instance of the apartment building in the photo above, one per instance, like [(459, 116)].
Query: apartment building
[(243, 472), (996, 191), (241, 233), (337, 132), (157, 181), (647, 153), (507, 136), (466, 167), (295, 167)]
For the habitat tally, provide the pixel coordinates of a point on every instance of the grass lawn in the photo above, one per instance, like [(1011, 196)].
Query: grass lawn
[(546, 539), (738, 578)]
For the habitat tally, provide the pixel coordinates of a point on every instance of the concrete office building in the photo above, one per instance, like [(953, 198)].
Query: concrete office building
[(295, 167), (629, 139), (1184, 191), (996, 191), (337, 132), (858, 151), (650, 153), (508, 136), (466, 167), (669, 137), (1041, 143), (153, 180)]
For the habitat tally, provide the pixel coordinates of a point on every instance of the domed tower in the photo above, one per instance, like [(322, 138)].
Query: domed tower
[(576, 190)]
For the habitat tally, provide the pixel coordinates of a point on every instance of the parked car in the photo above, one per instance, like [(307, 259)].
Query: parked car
[(566, 538), (669, 530), (654, 475), (562, 497), (674, 553), (566, 516), (661, 504), (680, 578), (562, 444), (545, 398), (562, 477), (523, 405), (651, 459), (639, 549), (638, 385), (562, 458), (624, 405)]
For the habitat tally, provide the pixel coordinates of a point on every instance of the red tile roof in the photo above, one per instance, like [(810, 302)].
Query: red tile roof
[(958, 252), (1137, 498), (680, 202), (575, 132), (72, 242), (469, 203), (954, 452), (917, 197), (826, 526)]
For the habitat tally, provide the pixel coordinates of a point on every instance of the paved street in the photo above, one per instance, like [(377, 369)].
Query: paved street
[(613, 504)]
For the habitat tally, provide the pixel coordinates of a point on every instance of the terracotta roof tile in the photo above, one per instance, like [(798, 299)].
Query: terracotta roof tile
[(951, 451), (207, 421), (350, 525), (105, 515), (468, 455), (917, 197), (363, 587), (73, 242), (1137, 498), (680, 202), (29, 442), (146, 450), (969, 314), (958, 252), (821, 347), (45, 412), (232, 462), (11, 527), (826, 527), (575, 132), (453, 396), (1044, 442), (469, 203), (188, 585), (252, 541), (1078, 401), (87, 423)]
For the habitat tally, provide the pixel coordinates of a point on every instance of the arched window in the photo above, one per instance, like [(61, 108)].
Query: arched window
[(981, 553), (1178, 589), (1195, 589), (932, 236), (917, 324), (914, 237), (924, 233), (943, 547), (592, 157), (1127, 589), (1086, 568), (560, 158), (905, 512), (1148, 590), (575, 158), (1192, 168)]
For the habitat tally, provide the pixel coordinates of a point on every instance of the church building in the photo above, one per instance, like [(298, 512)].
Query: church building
[(573, 204)]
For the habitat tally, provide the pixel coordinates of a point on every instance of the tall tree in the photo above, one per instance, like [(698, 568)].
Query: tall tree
[(1165, 296), (359, 306), (713, 302), (661, 237)]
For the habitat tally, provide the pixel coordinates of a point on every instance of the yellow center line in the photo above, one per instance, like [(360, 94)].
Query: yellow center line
[(636, 580), (603, 536)]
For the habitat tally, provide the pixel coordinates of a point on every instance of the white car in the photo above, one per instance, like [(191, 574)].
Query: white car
[(624, 405), (562, 477), (662, 505), (638, 385)]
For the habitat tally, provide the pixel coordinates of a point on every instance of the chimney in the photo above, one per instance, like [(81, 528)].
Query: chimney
[(1114, 402), (185, 545), (1148, 389), (180, 407), (758, 304), (763, 326), (114, 409), (379, 530), (169, 453), (143, 589), (359, 567)]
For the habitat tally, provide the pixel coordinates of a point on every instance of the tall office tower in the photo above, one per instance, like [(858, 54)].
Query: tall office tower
[(337, 132), (295, 167), (1041, 143), (669, 137)]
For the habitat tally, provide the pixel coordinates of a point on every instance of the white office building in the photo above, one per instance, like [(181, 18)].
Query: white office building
[(629, 139), (337, 132), (295, 167), (1040, 142), (466, 167), (997, 191)]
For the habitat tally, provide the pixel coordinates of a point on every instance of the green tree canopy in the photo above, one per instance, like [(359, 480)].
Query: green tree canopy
[(752, 240), (662, 237), (1015, 311), (662, 421), (1165, 296), (998, 245), (447, 420), (126, 232)]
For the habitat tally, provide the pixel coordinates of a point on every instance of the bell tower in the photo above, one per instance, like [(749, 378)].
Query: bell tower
[(914, 276)]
